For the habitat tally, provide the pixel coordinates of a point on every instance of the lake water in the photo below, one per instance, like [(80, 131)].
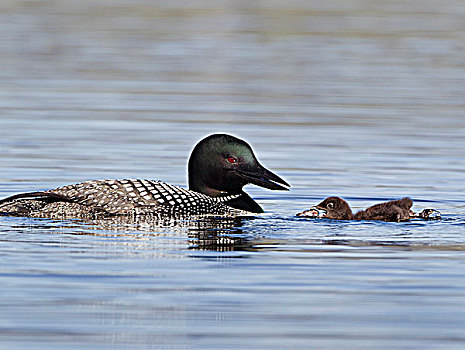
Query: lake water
[(361, 99)]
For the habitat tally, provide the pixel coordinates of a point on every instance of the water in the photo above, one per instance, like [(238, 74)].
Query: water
[(359, 99)]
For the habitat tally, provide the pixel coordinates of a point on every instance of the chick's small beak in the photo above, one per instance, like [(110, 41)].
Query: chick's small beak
[(313, 212)]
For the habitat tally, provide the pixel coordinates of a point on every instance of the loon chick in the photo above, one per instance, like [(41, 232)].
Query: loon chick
[(337, 208), (219, 166)]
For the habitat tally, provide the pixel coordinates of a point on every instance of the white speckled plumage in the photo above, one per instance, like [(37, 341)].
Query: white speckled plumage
[(123, 197)]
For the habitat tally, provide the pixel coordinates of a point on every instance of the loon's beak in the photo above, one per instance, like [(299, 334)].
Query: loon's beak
[(262, 177)]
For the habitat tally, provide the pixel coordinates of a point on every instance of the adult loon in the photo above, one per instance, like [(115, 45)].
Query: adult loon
[(337, 208), (219, 166)]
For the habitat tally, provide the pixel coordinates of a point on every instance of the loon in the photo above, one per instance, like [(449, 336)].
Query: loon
[(399, 210), (219, 166)]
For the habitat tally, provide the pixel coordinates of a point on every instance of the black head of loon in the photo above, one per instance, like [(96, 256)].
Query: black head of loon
[(220, 165)]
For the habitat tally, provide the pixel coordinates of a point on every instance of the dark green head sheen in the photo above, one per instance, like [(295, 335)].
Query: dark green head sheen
[(222, 164)]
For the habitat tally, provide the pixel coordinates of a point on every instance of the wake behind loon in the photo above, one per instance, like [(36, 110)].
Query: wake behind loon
[(219, 166)]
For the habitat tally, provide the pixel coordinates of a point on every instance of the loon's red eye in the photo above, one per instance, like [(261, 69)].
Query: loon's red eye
[(232, 160)]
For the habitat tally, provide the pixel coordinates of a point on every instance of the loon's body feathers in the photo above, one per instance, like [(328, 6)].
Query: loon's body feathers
[(118, 197)]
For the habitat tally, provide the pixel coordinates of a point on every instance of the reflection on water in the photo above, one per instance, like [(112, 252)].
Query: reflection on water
[(360, 99), (220, 234)]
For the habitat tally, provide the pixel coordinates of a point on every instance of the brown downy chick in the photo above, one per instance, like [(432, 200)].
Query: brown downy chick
[(337, 208)]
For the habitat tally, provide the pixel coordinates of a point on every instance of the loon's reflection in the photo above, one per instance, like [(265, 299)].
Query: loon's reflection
[(218, 235), (203, 233)]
